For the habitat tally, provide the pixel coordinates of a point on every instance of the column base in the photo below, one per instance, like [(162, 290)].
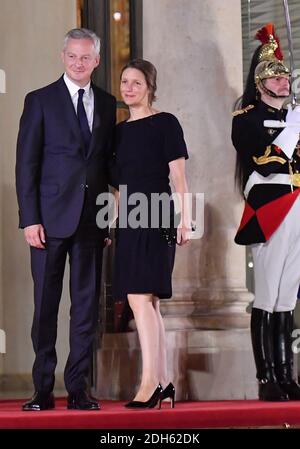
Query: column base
[(203, 365), (207, 308)]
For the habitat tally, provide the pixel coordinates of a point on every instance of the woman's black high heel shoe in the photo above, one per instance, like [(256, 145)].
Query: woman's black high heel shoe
[(168, 392), (151, 403)]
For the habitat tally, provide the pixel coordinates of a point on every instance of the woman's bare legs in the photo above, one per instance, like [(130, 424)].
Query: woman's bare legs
[(162, 353), (147, 324)]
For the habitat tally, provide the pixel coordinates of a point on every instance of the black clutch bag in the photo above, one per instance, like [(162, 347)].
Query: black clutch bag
[(169, 235)]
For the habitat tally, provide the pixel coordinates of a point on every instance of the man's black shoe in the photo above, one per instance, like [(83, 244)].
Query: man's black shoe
[(81, 401), (40, 401)]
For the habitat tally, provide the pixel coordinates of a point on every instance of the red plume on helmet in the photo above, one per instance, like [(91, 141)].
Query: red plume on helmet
[(266, 35), (269, 58)]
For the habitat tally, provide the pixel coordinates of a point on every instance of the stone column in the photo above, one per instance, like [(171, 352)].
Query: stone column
[(2, 333), (196, 46), (199, 77)]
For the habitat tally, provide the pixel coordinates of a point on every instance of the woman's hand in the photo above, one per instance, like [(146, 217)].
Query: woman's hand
[(183, 235), (107, 241)]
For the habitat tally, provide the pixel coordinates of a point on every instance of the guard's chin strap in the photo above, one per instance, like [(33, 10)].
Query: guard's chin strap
[(272, 94)]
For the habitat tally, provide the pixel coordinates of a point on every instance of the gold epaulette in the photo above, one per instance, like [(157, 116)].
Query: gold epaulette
[(242, 111)]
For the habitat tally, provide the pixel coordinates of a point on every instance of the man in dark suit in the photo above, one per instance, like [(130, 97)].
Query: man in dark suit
[(62, 153)]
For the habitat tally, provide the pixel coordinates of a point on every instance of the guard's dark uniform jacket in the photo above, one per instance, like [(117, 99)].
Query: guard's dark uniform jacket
[(267, 203)]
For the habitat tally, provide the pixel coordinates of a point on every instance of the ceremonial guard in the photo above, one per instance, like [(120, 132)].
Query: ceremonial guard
[(265, 136)]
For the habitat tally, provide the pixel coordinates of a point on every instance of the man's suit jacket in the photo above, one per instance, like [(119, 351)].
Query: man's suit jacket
[(53, 169)]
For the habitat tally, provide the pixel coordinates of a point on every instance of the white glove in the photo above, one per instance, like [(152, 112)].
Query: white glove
[(288, 138), (293, 117)]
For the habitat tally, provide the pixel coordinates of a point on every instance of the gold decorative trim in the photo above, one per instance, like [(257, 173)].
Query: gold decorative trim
[(266, 159), (296, 179), (242, 111)]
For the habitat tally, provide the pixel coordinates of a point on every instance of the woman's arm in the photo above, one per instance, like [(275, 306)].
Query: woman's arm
[(116, 194), (177, 173)]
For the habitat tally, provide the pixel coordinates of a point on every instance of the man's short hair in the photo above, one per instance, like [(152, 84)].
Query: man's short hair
[(83, 33)]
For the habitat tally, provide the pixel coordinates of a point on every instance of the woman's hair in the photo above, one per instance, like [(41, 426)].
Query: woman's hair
[(149, 72), (250, 96)]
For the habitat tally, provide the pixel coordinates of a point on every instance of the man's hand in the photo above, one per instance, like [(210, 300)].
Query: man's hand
[(35, 236)]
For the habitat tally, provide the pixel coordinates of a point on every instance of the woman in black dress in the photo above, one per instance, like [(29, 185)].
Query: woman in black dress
[(149, 146)]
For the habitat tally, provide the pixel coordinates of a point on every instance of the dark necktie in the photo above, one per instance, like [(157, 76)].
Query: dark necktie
[(83, 121)]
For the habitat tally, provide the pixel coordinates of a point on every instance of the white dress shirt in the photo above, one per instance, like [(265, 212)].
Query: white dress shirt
[(88, 98)]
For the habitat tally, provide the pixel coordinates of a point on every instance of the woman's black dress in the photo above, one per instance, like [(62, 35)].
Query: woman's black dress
[(143, 148)]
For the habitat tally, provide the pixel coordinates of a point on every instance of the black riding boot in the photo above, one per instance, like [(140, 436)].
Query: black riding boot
[(263, 350), (283, 354)]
